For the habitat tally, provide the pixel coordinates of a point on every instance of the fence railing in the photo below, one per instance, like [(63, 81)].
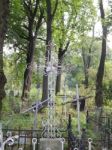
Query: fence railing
[(104, 128), (27, 139)]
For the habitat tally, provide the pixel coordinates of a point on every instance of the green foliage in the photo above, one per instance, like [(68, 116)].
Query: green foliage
[(107, 88), (14, 67), (16, 20)]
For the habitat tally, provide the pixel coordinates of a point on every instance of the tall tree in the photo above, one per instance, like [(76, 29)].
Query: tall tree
[(4, 11), (31, 8), (66, 15), (50, 15), (100, 72), (69, 23), (23, 31)]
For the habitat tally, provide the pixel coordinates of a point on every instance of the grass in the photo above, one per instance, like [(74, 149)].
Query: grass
[(16, 120)]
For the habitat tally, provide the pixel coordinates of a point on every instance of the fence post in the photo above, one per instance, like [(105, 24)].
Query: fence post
[(89, 143), (25, 141), (87, 117), (31, 139), (19, 137), (78, 109), (34, 142), (69, 129), (37, 142)]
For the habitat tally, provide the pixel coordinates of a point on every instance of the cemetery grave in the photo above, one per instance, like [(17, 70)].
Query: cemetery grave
[(50, 136), (55, 74)]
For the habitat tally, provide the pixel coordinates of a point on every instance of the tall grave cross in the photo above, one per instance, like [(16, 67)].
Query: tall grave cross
[(51, 137), (51, 72)]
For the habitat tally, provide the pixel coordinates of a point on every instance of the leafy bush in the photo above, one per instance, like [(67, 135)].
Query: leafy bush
[(107, 89)]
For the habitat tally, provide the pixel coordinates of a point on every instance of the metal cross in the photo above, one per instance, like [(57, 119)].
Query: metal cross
[(51, 72), (51, 122)]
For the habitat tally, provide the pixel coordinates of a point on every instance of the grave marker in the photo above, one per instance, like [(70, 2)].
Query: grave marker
[(51, 136)]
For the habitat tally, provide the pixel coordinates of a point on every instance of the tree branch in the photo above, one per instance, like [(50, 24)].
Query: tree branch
[(27, 8), (41, 39), (62, 51), (35, 9), (55, 8), (39, 22)]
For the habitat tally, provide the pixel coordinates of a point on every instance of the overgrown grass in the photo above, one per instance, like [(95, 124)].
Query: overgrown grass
[(16, 120)]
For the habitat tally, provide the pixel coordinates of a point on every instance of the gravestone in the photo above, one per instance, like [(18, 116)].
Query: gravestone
[(51, 144)]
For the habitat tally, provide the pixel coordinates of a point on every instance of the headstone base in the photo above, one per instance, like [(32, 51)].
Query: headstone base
[(51, 144)]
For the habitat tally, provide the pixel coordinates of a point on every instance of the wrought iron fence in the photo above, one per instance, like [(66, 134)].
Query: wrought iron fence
[(27, 139)]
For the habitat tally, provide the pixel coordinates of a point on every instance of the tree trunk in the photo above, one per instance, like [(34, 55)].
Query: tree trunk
[(85, 68), (48, 49), (48, 55), (28, 70), (100, 73), (50, 16), (58, 79), (86, 82), (4, 11), (61, 54)]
